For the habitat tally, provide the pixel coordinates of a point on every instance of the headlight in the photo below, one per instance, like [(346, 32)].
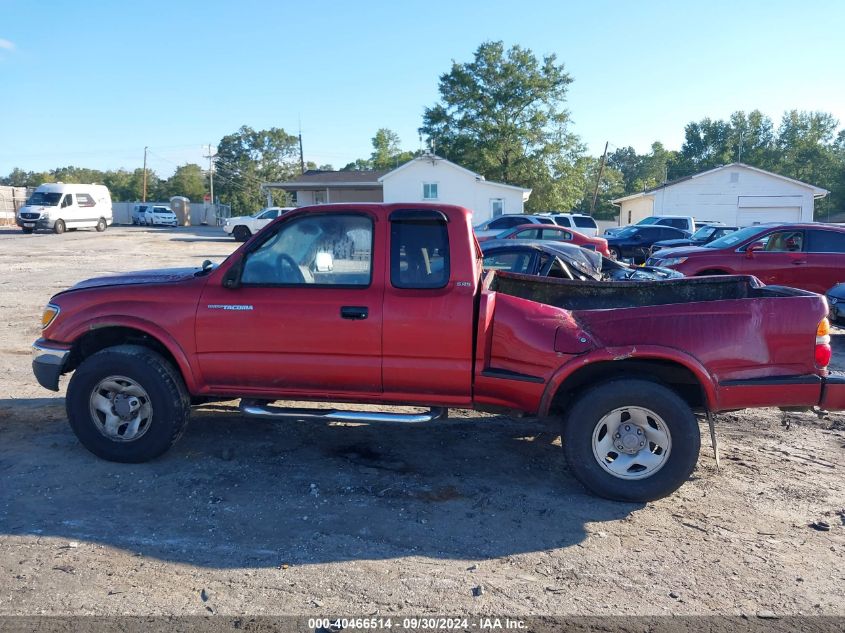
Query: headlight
[(672, 261), (49, 315)]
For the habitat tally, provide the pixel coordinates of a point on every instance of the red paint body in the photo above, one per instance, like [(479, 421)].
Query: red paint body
[(808, 269), (553, 234), (460, 346)]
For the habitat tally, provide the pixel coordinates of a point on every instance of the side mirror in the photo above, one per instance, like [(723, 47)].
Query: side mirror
[(232, 278), (753, 248), (638, 237)]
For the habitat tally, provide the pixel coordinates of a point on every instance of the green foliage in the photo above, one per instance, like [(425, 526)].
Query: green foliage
[(248, 158), (189, 181), (502, 115)]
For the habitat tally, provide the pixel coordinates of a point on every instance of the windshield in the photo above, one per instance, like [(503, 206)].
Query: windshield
[(627, 232), (44, 199), (703, 233), (161, 210), (652, 220), (731, 239)]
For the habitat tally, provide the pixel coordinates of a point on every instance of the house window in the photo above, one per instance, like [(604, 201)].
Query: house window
[(319, 197), (429, 191), (497, 207)]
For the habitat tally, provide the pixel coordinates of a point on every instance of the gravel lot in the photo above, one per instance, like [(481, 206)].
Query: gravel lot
[(254, 517)]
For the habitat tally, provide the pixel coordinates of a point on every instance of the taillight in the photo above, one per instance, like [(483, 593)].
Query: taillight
[(823, 352)]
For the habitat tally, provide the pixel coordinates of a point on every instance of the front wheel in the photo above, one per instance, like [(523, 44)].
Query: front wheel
[(59, 227), (631, 440), (101, 225), (615, 253), (127, 404), (241, 233)]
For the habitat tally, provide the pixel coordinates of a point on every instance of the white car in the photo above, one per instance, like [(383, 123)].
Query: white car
[(580, 222), (245, 226), (159, 215), (498, 224)]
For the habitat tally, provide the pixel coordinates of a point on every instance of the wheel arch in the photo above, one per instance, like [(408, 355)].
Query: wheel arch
[(684, 375), (97, 337)]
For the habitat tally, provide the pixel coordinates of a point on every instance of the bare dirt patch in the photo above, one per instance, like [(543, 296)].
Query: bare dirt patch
[(247, 516)]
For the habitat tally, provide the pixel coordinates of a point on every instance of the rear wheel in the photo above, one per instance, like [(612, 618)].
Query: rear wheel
[(615, 253), (241, 233), (101, 225), (127, 404), (631, 440), (59, 227)]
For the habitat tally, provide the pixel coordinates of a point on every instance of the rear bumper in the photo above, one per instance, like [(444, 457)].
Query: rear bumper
[(833, 392), (48, 363)]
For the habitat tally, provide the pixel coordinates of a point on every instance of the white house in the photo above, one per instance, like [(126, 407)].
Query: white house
[(427, 178), (735, 194), (430, 178)]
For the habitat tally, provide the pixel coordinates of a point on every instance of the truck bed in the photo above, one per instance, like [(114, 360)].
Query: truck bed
[(603, 295)]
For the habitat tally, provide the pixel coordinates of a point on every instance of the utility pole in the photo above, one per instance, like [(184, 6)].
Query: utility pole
[(598, 179), (301, 156), (144, 194), (739, 158), (210, 156)]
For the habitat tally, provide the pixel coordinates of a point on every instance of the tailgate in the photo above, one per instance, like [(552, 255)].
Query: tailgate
[(833, 392)]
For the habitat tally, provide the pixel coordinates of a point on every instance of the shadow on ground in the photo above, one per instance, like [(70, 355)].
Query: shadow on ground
[(236, 492)]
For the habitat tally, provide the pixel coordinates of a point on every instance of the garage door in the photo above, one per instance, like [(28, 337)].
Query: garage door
[(761, 215)]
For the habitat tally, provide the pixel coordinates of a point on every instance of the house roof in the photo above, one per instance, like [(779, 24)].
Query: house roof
[(322, 179), (818, 192), (434, 159)]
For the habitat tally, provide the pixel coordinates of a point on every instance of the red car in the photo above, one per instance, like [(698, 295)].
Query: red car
[(807, 256), (554, 233), (388, 304)]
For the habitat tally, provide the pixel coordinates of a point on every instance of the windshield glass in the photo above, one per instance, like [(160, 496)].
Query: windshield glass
[(652, 220), (731, 239), (161, 210), (703, 233), (45, 199)]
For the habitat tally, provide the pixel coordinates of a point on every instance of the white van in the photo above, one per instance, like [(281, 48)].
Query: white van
[(59, 207)]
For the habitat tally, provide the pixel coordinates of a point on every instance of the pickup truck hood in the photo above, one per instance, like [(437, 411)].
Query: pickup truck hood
[(160, 276)]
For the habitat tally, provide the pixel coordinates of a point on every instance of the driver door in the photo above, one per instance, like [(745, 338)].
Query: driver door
[(307, 315)]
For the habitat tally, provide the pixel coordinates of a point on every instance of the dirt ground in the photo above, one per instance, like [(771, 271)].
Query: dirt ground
[(257, 517)]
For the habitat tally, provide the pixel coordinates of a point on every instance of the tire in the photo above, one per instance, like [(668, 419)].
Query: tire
[(101, 225), (59, 227), (672, 419), (615, 253), (241, 233), (164, 394)]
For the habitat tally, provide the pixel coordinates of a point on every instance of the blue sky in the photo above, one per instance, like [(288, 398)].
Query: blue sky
[(91, 83)]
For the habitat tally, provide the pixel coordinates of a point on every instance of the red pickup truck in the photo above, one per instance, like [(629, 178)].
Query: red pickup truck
[(388, 304)]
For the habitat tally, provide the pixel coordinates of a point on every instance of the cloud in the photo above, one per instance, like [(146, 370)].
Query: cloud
[(6, 45)]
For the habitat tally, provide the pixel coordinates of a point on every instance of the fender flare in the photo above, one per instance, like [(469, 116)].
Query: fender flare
[(147, 327), (628, 352)]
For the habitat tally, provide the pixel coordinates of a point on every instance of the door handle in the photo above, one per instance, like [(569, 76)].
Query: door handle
[(355, 313), (798, 262)]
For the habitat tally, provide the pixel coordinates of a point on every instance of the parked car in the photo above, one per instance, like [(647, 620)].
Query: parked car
[(244, 227), (299, 314), (139, 212), (580, 222), (635, 241), (563, 261), (59, 207), (497, 225), (702, 236), (681, 222), (807, 256), (836, 301), (159, 215), (553, 233)]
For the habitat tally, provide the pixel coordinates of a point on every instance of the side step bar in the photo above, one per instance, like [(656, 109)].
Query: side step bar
[(260, 409)]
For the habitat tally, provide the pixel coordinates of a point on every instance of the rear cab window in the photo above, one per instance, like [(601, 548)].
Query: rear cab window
[(419, 249)]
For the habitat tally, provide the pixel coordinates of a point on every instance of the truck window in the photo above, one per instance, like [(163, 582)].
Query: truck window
[(68, 201), (84, 200), (325, 250), (419, 252)]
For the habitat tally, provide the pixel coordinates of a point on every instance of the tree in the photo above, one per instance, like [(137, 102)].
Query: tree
[(502, 116), (387, 154), (189, 181), (248, 158)]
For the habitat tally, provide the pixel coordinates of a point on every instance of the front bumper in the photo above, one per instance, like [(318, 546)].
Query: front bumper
[(228, 228), (48, 362), (40, 223)]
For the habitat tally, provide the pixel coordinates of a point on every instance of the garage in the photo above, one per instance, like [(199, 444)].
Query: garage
[(762, 209)]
